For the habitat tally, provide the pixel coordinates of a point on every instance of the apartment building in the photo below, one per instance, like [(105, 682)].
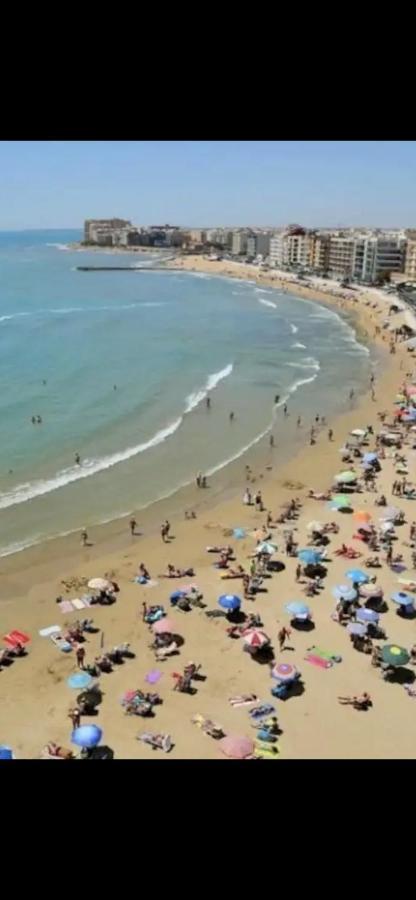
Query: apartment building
[(239, 242), (320, 252), (341, 256), (410, 260), (100, 231), (292, 247)]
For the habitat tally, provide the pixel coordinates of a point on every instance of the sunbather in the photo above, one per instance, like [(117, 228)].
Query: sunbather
[(207, 726), (243, 699), (157, 741), (162, 653), (234, 573), (363, 702), (54, 751)]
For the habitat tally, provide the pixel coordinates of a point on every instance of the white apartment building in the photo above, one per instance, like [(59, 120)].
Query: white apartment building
[(291, 249), (410, 261), (239, 242)]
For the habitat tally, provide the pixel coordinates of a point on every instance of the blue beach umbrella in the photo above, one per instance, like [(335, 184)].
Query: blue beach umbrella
[(6, 752), (367, 615), (370, 457), (87, 736), (357, 628), (229, 601), (357, 576), (177, 595), (79, 680), (239, 533), (344, 592), (402, 599), (310, 557), (298, 609)]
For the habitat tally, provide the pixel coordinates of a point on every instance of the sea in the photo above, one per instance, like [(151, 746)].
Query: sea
[(118, 365)]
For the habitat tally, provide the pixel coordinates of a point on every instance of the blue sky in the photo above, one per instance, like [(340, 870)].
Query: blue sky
[(60, 183)]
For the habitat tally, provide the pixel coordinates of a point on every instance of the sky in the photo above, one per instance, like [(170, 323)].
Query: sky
[(58, 184)]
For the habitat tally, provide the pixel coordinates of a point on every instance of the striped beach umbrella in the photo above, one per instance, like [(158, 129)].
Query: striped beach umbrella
[(255, 638), (284, 672)]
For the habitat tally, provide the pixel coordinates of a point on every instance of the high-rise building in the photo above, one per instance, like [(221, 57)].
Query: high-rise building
[(292, 247), (410, 260), (239, 242), (97, 228)]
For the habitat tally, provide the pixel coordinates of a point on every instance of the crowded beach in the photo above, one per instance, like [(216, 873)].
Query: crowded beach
[(277, 625)]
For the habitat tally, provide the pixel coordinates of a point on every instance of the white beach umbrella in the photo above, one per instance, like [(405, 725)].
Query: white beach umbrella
[(316, 526), (99, 584)]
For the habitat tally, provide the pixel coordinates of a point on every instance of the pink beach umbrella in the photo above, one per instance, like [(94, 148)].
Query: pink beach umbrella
[(255, 638), (284, 672), (164, 626), (236, 747), (371, 590)]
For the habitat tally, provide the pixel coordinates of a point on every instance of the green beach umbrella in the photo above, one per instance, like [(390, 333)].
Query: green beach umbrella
[(346, 477), (341, 500), (393, 655)]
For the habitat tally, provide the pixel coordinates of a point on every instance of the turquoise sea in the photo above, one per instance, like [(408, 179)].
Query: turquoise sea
[(165, 340)]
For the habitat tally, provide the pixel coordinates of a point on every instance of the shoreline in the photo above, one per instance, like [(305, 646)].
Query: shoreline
[(108, 536), (32, 579)]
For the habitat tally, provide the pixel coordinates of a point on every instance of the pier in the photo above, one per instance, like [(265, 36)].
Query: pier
[(119, 268)]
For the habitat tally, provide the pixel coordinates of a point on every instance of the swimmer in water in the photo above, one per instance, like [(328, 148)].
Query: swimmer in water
[(208, 402), (39, 420), (285, 410), (299, 422), (114, 387), (77, 459), (277, 398), (33, 420), (271, 440), (231, 417)]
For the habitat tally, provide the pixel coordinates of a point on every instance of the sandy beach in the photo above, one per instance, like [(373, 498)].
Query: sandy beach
[(33, 690)]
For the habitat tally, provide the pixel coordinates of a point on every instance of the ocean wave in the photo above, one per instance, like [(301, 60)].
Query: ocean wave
[(32, 489), (69, 310), (193, 400), (294, 328), (267, 302), (307, 362), (263, 291), (300, 382), (298, 346), (59, 246)]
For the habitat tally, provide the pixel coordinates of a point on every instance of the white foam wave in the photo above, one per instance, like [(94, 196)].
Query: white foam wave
[(298, 346), (267, 302), (263, 291), (69, 310), (193, 400), (300, 382), (29, 490), (59, 246), (294, 328), (307, 362)]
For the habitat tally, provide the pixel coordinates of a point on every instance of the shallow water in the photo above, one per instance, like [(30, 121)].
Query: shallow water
[(165, 340)]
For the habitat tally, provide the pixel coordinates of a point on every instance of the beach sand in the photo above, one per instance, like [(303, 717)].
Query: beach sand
[(33, 691)]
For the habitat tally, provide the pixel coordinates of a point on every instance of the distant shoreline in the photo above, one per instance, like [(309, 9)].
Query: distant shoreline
[(78, 245)]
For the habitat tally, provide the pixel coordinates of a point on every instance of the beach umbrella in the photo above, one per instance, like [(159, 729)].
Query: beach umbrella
[(366, 528), (310, 557), (408, 583), (402, 599), (390, 514), (266, 547), (229, 601), (367, 616), (298, 609), (316, 526), (79, 680), (400, 398), (164, 626), (346, 477), (236, 747), (239, 533), (177, 595), (6, 752), (100, 584), (340, 501), (87, 736), (255, 638), (362, 516), (357, 628), (128, 696), (358, 432), (284, 672), (371, 590), (357, 576), (344, 592), (393, 655), (370, 457)]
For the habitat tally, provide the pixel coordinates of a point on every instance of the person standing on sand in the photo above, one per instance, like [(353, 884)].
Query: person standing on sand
[(231, 417), (208, 402), (285, 410), (144, 611), (80, 656), (84, 537), (163, 533), (77, 459), (330, 434), (298, 572), (299, 422), (271, 440), (352, 394), (282, 635), (75, 716), (133, 524)]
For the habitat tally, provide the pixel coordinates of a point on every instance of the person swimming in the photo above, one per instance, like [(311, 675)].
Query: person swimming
[(77, 459)]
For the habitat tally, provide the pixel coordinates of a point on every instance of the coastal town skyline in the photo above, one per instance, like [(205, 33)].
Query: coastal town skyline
[(323, 184)]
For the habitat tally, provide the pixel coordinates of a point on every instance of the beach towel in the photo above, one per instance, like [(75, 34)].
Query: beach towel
[(318, 661), (65, 606), (61, 643), (52, 629), (332, 657), (78, 604), (245, 700), (153, 676), (260, 712), (16, 637), (264, 751)]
